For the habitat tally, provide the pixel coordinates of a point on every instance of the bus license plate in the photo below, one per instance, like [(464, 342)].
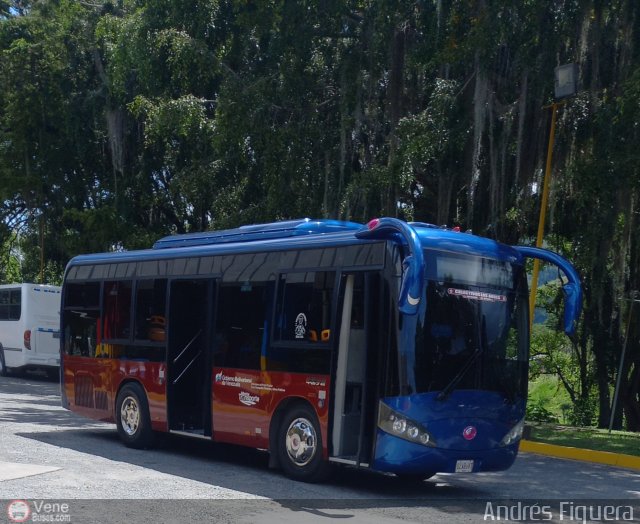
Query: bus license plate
[(464, 466)]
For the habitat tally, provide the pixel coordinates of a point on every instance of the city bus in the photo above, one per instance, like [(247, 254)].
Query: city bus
[(397, 347), (29, 328)]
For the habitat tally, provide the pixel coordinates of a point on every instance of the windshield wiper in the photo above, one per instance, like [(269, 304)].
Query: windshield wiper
[(444, 394)]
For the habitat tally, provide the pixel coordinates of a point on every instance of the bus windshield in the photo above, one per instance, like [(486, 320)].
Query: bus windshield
[(474, 334)]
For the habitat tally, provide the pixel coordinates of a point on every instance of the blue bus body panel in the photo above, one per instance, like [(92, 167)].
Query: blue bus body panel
[(309, 234), (258, 232), (446, 421), (447, 240), (395, 455), (226, 248)]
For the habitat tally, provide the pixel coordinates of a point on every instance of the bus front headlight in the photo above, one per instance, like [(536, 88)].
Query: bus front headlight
[(514, 435), (401, 426)]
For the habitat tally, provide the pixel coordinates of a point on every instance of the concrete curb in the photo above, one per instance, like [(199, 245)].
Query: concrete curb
[(586, 455)]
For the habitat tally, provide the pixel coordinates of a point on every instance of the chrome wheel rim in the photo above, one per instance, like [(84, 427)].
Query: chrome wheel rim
[(301, 442), (130, 416)]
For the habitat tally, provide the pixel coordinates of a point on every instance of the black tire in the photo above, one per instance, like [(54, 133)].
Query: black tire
[(3, 367), (413, 478), (132, 417), (53, 374), (299, 446)]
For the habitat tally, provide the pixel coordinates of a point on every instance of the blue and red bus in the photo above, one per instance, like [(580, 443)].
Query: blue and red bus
[(394, 346)]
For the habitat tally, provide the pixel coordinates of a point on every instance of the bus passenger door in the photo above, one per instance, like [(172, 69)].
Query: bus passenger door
[(355, 381), (188, 357)]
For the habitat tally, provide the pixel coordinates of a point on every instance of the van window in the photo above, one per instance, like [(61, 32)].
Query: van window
[(10, 304)]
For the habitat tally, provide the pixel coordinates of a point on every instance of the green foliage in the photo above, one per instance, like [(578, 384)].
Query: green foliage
[(588, 438), (10, 262), (124, 121), (538, 413)]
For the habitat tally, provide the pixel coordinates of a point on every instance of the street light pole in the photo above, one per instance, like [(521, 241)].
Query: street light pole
[(565, 85), (543, 213)]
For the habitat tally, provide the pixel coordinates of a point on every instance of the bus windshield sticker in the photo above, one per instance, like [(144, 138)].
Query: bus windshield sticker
[(476, 295), (301, 326)]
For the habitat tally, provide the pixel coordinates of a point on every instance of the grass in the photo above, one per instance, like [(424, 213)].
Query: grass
[(547, 391), (587, 438)]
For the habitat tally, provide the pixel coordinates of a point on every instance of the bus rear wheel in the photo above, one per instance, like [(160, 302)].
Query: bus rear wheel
[(300, 446), (132, 417)]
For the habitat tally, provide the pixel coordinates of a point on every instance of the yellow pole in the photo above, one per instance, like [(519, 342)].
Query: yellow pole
[(543, 214)]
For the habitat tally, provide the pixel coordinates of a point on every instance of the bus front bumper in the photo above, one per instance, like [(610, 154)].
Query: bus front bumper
[(396, 455)]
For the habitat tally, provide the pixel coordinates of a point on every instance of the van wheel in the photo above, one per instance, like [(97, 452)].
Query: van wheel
[(300, 446), (132, 417), (3, 367)]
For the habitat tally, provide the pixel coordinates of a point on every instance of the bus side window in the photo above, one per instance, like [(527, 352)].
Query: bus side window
[(240, 324), (117, 310), (150, 310), (81, 312), (304, 307)]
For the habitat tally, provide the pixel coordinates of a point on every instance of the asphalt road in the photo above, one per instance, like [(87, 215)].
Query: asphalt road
[(48, 453)]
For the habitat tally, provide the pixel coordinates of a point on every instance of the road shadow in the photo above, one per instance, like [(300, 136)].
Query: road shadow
[(246, 470), (35, 399)]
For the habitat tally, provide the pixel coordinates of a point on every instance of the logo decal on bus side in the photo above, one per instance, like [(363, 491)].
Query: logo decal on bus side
[(234, 381), (248, 399)]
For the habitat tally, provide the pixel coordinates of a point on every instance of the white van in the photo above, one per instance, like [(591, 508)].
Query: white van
[(29, 328)]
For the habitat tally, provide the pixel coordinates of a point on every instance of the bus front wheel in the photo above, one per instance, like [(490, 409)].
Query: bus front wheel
[(300, 446), (413, 478), (132, 417)]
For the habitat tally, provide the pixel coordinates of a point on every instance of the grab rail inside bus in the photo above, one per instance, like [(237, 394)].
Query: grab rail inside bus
[(412, 265), (187, 367), (572, 290), (187, 346)]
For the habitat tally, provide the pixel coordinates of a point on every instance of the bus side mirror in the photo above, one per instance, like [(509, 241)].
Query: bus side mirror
[(412, 283), (410, 288), (572, 290), (572, 304)]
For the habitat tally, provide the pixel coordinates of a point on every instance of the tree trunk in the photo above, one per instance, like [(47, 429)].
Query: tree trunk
[(396, 84), (480, 96)]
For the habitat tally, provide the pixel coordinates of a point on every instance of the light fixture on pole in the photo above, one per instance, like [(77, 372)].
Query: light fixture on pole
[(565, 85)]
